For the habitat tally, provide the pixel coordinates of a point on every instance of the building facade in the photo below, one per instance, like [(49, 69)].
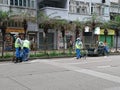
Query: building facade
[(74, 10), (70, 10), (115, 10), (20, 10)]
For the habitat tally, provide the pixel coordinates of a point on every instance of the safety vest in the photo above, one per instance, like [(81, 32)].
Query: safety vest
[(17, 43), (26, 44), (78, 45)]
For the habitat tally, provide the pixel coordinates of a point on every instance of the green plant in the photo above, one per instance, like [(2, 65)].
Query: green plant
[(53, 53)]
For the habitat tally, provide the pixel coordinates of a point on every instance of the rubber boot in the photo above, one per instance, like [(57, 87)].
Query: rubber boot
[(16, 61)]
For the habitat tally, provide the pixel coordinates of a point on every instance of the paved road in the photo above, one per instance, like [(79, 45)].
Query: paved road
[(93, 73)]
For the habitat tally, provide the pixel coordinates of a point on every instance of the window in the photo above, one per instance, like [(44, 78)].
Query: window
[(77, 3), (28, 3), (5, 2), (103, 11), (11, 2), (24, 2), (32, 4), (1, 1), (106, 10), (92, 10), (78, 10), (83, 10), (20, 2), (16, 2)]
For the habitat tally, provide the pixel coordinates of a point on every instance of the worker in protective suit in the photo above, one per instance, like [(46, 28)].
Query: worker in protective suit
[(26, 49), (78, 47), (18, 46)]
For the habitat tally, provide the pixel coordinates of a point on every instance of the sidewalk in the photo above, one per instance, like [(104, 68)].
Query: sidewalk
[(9, 54)]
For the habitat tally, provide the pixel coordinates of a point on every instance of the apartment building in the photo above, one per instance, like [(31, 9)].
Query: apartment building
[(70, 10), (20, 10), (73, 10), (115, 10)]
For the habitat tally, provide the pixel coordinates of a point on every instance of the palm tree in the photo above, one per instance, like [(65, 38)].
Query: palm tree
[(23, 17), (46, 22), (3, 19), (78, 28)]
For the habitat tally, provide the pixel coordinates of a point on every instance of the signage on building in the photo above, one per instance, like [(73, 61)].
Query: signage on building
[(97, 31), (18, 30), (110, 32)]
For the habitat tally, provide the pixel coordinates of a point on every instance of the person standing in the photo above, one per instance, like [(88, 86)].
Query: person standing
[(18, 46), (26, 49), (78, 47)]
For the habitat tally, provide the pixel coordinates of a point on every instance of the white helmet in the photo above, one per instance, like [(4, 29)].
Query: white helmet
[(78, 39)]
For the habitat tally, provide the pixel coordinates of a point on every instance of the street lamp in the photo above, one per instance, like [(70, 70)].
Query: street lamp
[(105, 34)]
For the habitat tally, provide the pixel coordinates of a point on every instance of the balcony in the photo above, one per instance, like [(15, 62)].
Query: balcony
[(61, 12)]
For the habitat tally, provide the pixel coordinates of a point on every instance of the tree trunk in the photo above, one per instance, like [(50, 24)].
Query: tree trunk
[(2, 46), (63, 44), (116, 43)]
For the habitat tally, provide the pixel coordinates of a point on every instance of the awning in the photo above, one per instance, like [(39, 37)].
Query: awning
[(110, 32)]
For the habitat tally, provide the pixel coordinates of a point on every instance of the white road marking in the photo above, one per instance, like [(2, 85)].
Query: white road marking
[(84, 62), (4, 64), (107, 66)]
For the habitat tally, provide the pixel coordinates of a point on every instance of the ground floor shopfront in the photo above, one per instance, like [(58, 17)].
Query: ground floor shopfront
[(109, 38), (10, 38), (54, 39)]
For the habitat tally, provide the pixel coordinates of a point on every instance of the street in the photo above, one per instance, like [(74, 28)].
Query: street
[(92, 73)]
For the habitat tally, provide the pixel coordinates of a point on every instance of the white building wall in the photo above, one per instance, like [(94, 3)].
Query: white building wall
[(56, 12), (67, 14)]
